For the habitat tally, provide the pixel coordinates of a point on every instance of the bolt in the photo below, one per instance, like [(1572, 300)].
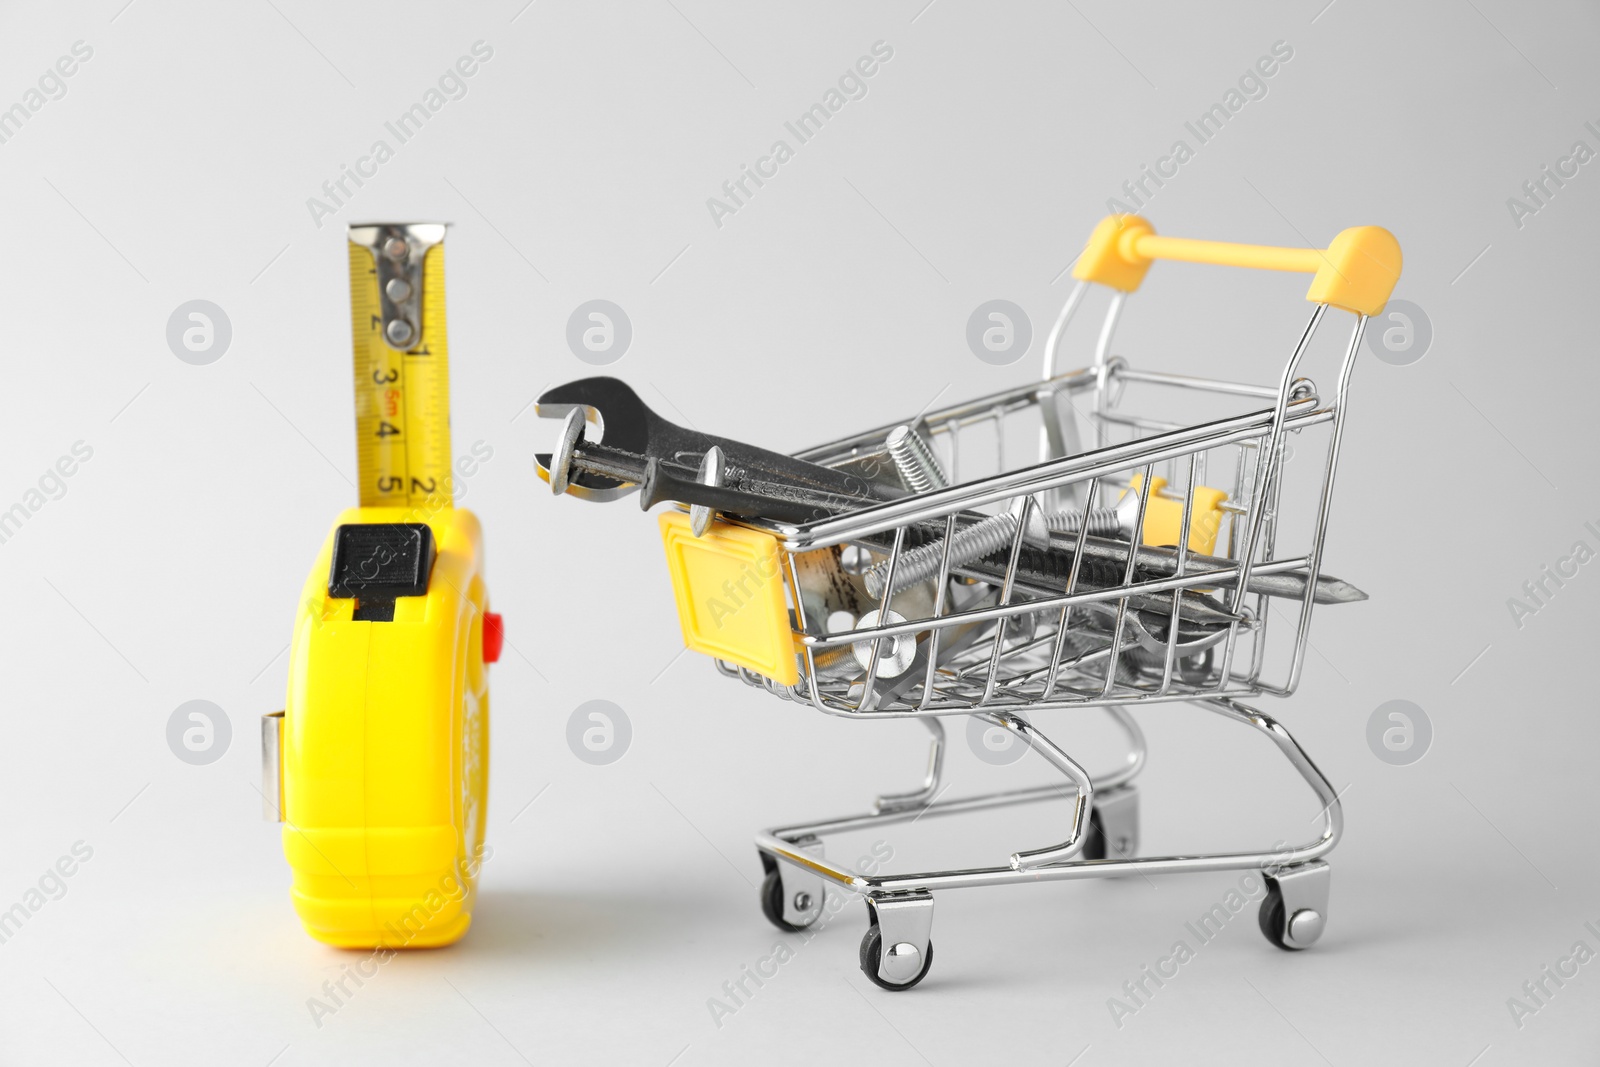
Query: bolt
[(895, 654), (700, 515), (853, 559), (802, 901), (561, 460), (988, 537), (1305, 926), (913, 457), (901, 962)]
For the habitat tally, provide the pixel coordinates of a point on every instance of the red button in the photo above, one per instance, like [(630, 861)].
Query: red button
[(494, 636)]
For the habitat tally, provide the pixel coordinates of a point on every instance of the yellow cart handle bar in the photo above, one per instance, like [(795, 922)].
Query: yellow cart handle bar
[(1356, 272)]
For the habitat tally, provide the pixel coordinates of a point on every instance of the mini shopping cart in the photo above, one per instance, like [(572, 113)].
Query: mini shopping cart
[(1052, 546)]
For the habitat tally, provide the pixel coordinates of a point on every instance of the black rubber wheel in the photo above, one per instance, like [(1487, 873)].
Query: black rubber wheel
[(1094, 845), (872, 955), (1271, 917), (772, 904)]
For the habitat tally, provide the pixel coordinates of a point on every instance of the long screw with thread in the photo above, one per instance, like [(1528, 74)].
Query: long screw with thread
[(919, 468)]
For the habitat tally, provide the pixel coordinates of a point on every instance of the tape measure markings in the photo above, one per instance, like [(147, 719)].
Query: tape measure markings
[(401, 361)]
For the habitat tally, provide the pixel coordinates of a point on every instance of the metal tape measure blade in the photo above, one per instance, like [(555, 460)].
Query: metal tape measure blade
[(402, 394)]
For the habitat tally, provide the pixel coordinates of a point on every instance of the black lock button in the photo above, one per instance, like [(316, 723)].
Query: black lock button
[(377, 562)]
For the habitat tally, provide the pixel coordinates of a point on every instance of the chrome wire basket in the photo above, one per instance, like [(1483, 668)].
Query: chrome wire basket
[(1105, 537)]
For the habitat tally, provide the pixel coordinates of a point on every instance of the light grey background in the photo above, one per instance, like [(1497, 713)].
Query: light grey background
[(177, 167)]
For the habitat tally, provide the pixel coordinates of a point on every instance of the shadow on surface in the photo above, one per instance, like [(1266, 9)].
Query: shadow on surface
[(556, 926)]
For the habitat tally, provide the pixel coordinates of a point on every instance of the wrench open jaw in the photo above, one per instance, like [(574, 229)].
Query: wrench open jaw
[(638, 449)]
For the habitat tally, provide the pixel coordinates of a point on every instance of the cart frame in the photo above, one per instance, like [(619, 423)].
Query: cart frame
[(1000, 683)]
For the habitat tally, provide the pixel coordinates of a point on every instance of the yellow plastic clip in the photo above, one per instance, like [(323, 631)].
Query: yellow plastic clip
[(1356, 272), (729, 585), (1163, 516)]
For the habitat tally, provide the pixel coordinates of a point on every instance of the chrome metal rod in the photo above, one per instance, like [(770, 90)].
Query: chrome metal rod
[(1124, 698), (780, 842), (879, 518), (1074, 773), (1268, 459), (1325, 502), (1206, 385), (930, 785), (1052, 344), (936, 421), (1137, 751), (1003, 611)]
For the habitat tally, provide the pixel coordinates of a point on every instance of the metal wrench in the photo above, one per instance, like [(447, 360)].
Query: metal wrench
[(663, 461)]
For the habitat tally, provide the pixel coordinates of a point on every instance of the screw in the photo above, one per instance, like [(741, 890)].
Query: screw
[(990, 536), (802, 901), (913, 457)]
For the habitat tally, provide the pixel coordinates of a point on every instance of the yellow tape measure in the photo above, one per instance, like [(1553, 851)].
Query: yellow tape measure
[(383, 746), (402, 365)]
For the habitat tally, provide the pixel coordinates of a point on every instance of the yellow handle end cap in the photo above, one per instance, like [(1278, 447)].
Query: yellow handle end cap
[(1359, 271), (1111, 257)]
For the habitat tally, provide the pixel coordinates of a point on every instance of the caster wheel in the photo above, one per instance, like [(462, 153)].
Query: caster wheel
[(1113, 831), (872, 957), (1271, 918), (772, 904), (1094, 845)]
